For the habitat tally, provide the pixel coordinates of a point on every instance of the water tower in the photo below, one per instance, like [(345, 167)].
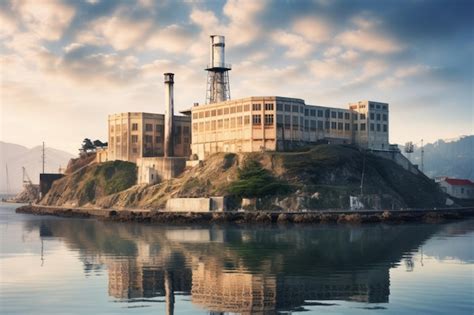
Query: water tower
[(218, 88)]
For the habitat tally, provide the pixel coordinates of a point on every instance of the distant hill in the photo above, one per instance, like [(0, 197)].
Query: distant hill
[(17, 156), (447, 158)]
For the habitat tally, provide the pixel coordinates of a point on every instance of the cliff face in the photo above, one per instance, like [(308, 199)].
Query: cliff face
[(320, 178)]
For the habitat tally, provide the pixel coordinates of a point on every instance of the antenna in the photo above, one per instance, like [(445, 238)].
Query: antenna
[(43, 157), (8, 181), (422, 156)]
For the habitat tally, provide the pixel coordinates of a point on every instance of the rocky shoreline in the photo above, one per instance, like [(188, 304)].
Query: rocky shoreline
[(266, 217)]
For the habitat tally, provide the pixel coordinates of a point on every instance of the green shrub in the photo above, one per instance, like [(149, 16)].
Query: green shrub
[(254, 181)]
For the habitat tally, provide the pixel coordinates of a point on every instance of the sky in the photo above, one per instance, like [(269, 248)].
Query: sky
[(66, 65)]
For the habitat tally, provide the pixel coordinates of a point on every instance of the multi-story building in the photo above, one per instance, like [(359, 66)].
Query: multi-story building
[(277, 123), (137, 135)]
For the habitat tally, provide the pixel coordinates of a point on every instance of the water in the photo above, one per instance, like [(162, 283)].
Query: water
[(79, 266)]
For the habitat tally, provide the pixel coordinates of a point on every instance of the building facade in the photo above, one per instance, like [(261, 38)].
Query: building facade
[(139, 135), (457, 188), (279, 123)]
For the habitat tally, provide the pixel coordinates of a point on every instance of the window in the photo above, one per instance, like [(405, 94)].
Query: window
[(347, 126), (306, 125), (195, 127), (306, 112), (134, 139), (339, 115), (219, 112), (201, 114), (232, 122), (134, 127), (333, 125), (333, 114), (256, 119), (347, 116), (148, 127), (384, 117), (354, 116), (327, 114), (134, 150), (178, 132), (326, 125), (186, 130), (158, 139), (371, 106), (295, 121), (159, 128), (226, 111), (378, 127), (320, 113), (269, 119), (246, 120), (239, 109), (246, 108), (320, 125), (372, 127), (148, 139), (239, 121), (269, 106), (384, 107), (313, 125), (287, 108), (385, 128), (340, 126), (207, 113), (195, 115), (213, 113), (208, 125), (287, 121), (279, 107), (362, 127), (378, 117), (256, 106), (220, 124), (279, 120), (111, 128), (377, 106), (302, 110), (355, 127), (312, 112), (213, 125), (232, 110), (295, 109), (372, 117), (362, 116), (201, 126)]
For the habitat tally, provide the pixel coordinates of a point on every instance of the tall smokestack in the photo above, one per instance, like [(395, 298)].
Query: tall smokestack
[(169, 114)]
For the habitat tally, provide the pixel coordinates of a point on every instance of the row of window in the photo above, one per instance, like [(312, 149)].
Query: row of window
[(378, 116), (231, 110), (149, 128)]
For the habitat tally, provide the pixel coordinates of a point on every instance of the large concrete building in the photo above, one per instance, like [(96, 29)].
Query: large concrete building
[(278, 123), (137, 135)]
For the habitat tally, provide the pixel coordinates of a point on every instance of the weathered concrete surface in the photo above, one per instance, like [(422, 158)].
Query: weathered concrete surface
[(195, 204), (353, 217)]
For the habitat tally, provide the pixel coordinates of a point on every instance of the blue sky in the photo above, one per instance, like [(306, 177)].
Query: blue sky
[(66, 65)]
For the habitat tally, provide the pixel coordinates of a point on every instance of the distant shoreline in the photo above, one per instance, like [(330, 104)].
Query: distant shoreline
[(247, 217)]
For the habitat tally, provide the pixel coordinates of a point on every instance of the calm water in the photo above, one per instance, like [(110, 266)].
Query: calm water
[(77, 266)]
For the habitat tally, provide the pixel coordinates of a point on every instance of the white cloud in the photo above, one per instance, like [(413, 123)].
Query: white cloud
[(368, 41), (244, 26), (297, 46), (48, 19), (173, 38), (313, 29)]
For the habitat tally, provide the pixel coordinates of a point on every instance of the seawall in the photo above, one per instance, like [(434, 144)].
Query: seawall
[(313, 217)]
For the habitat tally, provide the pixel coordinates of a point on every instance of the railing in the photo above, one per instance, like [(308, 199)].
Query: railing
[(219, 65)]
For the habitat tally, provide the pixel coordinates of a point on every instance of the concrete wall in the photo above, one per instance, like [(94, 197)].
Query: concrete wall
[(458, 191), (152, 170), (196, 204), (400, 159)]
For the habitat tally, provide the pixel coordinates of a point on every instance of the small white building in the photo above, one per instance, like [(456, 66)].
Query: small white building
[(457, 188)]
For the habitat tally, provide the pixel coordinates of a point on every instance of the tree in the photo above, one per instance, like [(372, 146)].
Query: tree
[(87, 145)]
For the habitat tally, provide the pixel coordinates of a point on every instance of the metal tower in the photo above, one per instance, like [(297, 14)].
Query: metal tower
[(218, 86)]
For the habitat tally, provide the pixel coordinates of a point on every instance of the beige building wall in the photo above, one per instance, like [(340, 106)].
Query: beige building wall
[(136, 135), (279, 123)]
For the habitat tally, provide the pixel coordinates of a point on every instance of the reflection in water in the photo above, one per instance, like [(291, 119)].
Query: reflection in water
[(245, 270)]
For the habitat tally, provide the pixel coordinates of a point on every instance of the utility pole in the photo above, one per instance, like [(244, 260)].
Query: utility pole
[(43, 157), (422, 156), (8, 180), (362, 177)]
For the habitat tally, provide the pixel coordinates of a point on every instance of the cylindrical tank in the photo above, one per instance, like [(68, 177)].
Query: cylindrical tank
[(169, 115), (217, 51)]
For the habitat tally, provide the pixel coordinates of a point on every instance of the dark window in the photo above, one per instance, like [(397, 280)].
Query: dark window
[(333, 114), (148, 139), (306, 112), (269, 119), (362, 127), (287, 108), (256, 119), (340, 126), (313, 125), (295, 109), (134, 139), (148, 127), (287, 121), (372, 127), (362, 116), (269, 106), (327, 114), (384, 117), (302, 110), (134, 127), (306, 125), (347, 126), (326, 125), (385, 128), (354, 116), (339, 115), (279, 120), (158, 139), (371, 106), (320, 125), (186, 130), (333, 125), (279, 107), (355, 127), (378, 117), (312, 113), (256, 106), (372, 117), (347, 116)]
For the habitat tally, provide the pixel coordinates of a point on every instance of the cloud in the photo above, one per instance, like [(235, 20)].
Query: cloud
[(244, 26), (173, 38), (48, 19), (297, 46), (312, 29), (403, 73), (368, 41)]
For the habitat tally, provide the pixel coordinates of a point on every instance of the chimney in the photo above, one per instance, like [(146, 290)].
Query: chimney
[(169, 115)]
